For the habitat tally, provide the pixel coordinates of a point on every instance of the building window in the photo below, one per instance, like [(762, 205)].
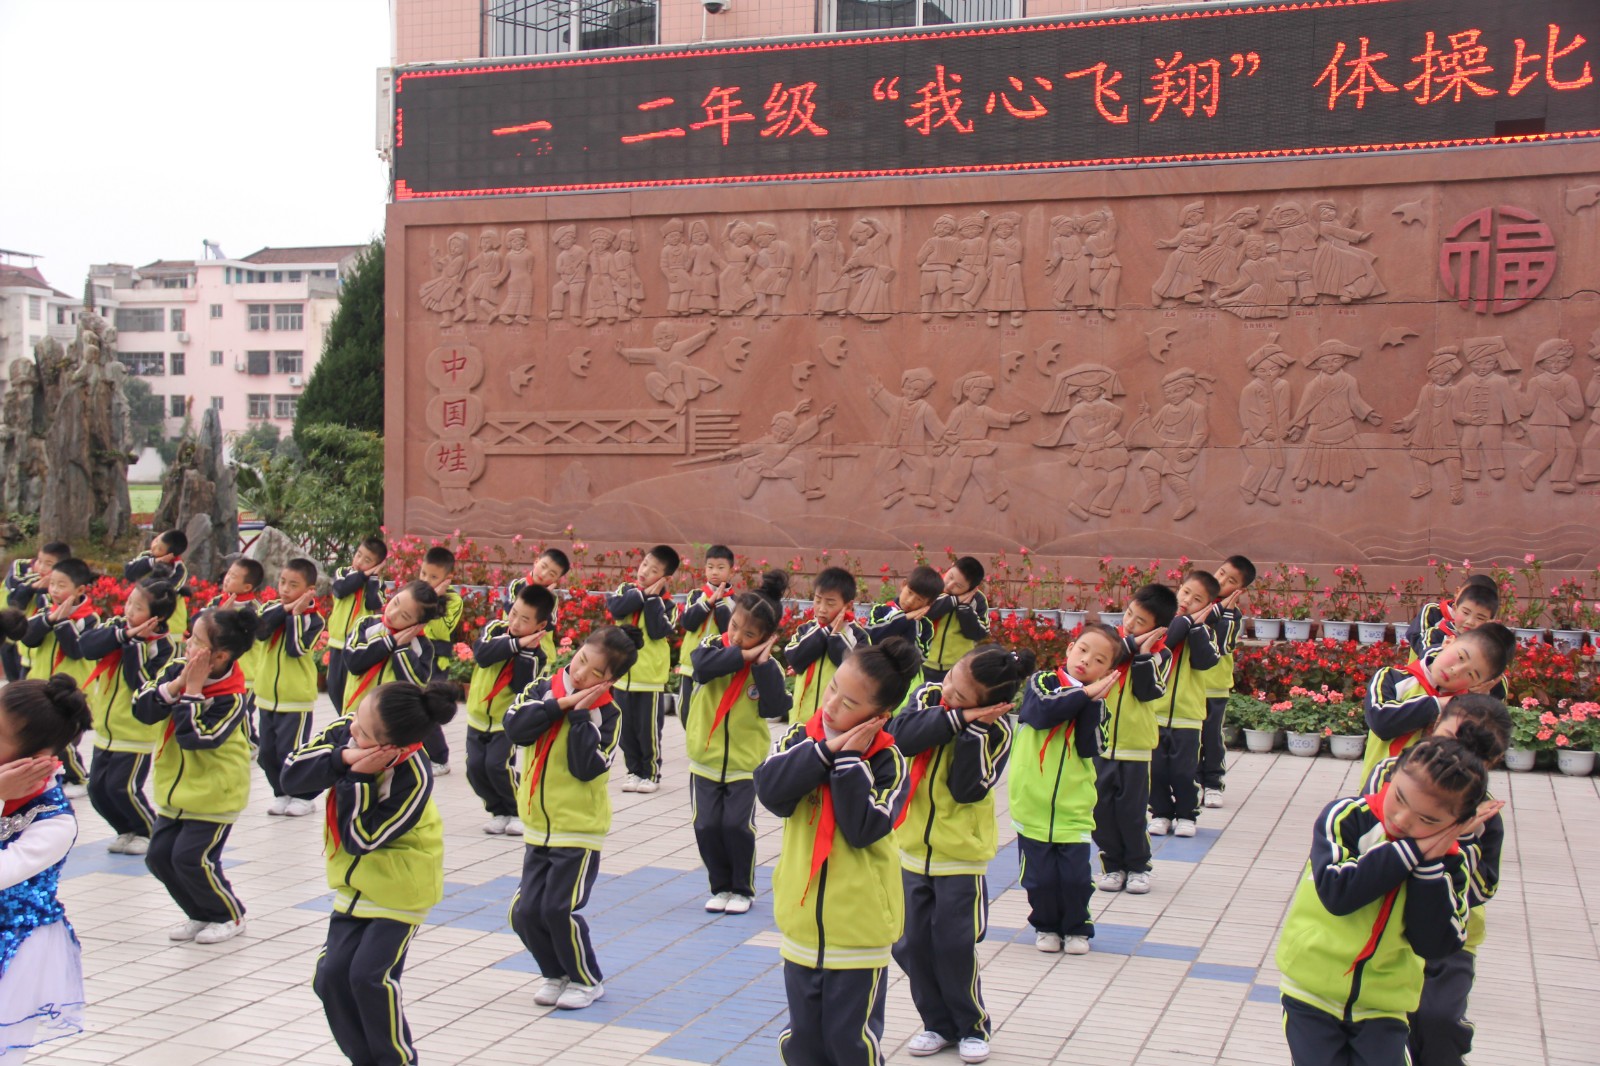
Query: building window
[(258, 364), (540, 27), (177, 319), (61, 316), (179, 408), (260, 317), (277, 276), (174, 283), (295, 275), (140, 320), (144, 364), (216, 403), (36, 307), (260, 406), (216, 310), (216, 358), (177, 364), (284, 406), (287, 362), (288, 316), (889, 14)]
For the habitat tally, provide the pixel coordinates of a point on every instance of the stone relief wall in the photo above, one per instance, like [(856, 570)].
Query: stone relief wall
[(1376, 373)]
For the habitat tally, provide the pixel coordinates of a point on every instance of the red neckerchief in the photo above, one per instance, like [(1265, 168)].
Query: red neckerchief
[(1071, 682), (1127, 664), (504, 679), (331, 808), (1418, 670), (735, 687), (232, 685), (1447, 619), (111, 662), (822, 843), (371, 675), (542, 746), (919, 770), (79, 613), (13, 806), (811, 671)]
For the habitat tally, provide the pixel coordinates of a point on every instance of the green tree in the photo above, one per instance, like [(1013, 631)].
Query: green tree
[(346, 389), (146, 412), (332, 495)]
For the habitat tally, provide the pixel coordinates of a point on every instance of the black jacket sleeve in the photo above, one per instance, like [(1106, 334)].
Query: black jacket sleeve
[(868, 795), (349, 582), (794, 769), (102, 640), (1397, 704), (660, 615), (712, 659), (139, 567), (1148, 675), (316, 765), (1347, 880), (591, 744), (532, 713), (371, 816), (1436, 907), (626, 602), (979, 759), (772, 698)]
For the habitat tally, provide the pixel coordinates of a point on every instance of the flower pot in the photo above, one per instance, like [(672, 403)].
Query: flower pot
[(1335, 630), (1007, 613), (1047, 616), (1521, 759), (1528, 636), (1268, 628), (1232, 736), (1071, 620), (1347, 747), (1305, 745), (1260, 739), (1296, 629), (1399, 637), (1371, 632), (681, 599), (1568, 639), (1575, 763)]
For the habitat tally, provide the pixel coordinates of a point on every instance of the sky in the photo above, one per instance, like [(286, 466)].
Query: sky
[(132, 130)]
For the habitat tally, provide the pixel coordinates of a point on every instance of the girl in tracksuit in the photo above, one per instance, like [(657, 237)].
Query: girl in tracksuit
[(384, 844), (817, 648), (567, 726), (1440, 1032), (202, 771), (128, 652), (1384, 890), (507, 657), (391, 646), (839, 784), (1052, 785), (283, 676), (357, 593), (958, 737), (737, 687)]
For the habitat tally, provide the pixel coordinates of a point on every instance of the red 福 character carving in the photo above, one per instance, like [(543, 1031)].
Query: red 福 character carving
[(1035, 108), (790, 110), (1364, 77), (1497, 259), (721, 108), (1105, 96), (1553, 51), (1449, 73), (938, 104), (1187, 86)]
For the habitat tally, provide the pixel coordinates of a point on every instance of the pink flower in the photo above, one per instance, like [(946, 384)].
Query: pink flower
[(1528, 558), (463, 652), (1562, 741)]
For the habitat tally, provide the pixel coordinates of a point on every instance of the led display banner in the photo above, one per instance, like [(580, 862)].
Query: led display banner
[(1213, 83)]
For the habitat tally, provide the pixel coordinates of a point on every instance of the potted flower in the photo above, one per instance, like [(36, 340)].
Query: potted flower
[(1302, 716), (1339, 603), (1346, 727), (1252, 716), (1569, 614), (1525, 612), (1074, 604), (1297, 606), (1577, 730), (1529, 735)]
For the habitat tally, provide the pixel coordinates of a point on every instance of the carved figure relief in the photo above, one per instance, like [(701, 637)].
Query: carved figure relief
[(1180, 279), (870, 269), (1084, 394), (911, 433), (734, 291), (1297, 247), (674, 381), (966, 436), (674, 261), (483, 301), (446, 291), (625, 276), (517, 307), (1430, 429), (1173, 437), (1589, 471), (1340, 269), (1105, 269), (1004, 283), (781, 455), (1328, 418), (704, 265), (1219, 262), (936, 263), (1487, 408), (1261, 288), (825, 259), (600, 296), (1552, 400), (572, 273), (971, 271), (774, 266), (1068, 266), (1265, 413)]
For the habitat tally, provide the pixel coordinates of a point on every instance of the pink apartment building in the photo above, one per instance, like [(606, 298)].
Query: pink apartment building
[(238, 335)]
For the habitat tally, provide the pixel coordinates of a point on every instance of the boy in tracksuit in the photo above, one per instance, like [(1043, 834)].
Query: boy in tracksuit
[(705, 614), (817, 648), (1127, 737), (25, 590), (357, 593), (166, 550), (957, 734), (1052, 786), (65, 614), (285, 679), (507, 658), (128, 652), (567, 724), (641, 692), (202, 772), (1227, 628), (438, 569), (907, 614), (1181, 712), (1476, 601), (551, 566), (960, 617)]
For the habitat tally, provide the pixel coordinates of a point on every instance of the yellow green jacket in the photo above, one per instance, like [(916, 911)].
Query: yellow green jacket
[(284, 676), (497, 657), (562, 800), (203, 761), (949, 823), (731, 749), (813, 655), (658, 617), (117, 681), (1052, 776)]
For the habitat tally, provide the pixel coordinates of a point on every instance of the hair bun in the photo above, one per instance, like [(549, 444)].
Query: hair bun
[(774, 583), (902, 656), (1027, 661), (69, 701), (634, 634), (439, 700)]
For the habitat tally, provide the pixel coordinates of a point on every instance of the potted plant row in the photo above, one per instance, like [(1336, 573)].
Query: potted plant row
[(1569, 728), (1306, 717)]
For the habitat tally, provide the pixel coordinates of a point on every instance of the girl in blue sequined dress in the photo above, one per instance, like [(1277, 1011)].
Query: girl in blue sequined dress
[(41, 973)]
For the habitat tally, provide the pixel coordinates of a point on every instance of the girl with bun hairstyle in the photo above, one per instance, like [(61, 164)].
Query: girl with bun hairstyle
[(384, 844), (839, 784), (566, 725), (202, 773), (737, 687), (41, 972)]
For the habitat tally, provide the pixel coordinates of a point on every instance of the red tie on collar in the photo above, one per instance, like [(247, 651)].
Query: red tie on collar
[(1071, 682), (1418, 670), (231, 685), (112, 662), (541, 749), (822, 843), (735, 687), (79, 613), (919, 770), (331, 807), (371, 675)]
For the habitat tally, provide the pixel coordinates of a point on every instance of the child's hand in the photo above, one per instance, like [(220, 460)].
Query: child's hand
[(1486, 688), (968, 596), (838, 622), (1439, 845), (857, 738), (196, 669), (919, 613), (442, 584), (1150, 639), (63, 610), (144, 629), (303, 603), (371, 760), (21, 778), (1231, 600), (1486, 810), (532, 639), (986, 715), (1097, 690), (760, 653), (592, 696), (657, 587), (407, 635)]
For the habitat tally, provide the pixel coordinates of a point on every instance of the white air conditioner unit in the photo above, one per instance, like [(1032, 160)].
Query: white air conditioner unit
[(295, 381), (241, 365), (183, 338)]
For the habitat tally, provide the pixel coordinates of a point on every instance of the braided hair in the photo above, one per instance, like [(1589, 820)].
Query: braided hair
[(1453, 769), (763, 605)]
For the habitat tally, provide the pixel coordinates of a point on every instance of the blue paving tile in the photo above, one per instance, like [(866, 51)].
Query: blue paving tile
[(760, 1052), (696, 1047), (95, 859), (1264, 994), (1113, 939), (1185, 849), (1214, 971), (1167, 951)]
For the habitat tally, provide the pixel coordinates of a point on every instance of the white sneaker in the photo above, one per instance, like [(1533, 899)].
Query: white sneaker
[(441, 769), (515, 828), (630, 783), (718, 903), (299, 808), (217, 932), (927, 1042), (974, 1049), (550, 990), (738, 904), (1183, 827), (1075, 945), (577, 997), (1049, 943), (280, 806), (136, 845), (120, 844), (1111, 881), (647, 785), (75, 792), (496, 826), (1138, 883), (1160, 827), (1213, 799), (185, 931)]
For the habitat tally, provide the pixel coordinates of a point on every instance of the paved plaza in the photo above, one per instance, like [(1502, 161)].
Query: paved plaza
[(1181, 976)]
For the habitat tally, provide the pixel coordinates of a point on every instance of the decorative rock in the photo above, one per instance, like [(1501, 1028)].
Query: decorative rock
[(200, 483), (272, 549)]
